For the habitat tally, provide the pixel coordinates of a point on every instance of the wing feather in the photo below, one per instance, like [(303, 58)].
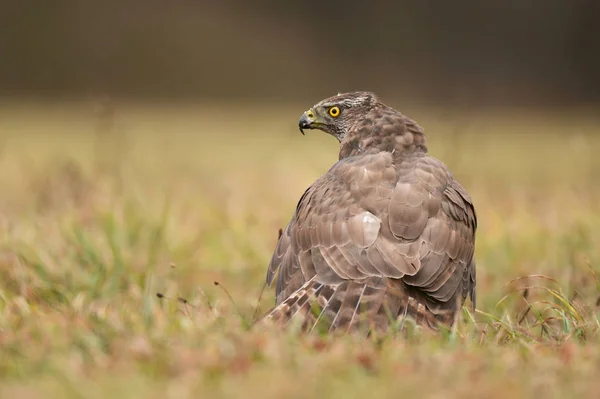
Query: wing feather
[(409, 223)]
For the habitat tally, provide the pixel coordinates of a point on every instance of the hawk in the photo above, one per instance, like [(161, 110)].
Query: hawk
[(386, 234)]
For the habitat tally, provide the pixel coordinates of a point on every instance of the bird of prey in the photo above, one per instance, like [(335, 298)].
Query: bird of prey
[(387, 234)]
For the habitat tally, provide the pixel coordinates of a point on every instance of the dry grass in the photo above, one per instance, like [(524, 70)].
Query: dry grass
[(102, 209)]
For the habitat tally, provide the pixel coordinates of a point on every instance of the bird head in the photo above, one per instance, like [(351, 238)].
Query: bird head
[(336, 115)]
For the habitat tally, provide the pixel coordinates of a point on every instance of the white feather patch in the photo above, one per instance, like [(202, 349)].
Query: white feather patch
[(364, 229)]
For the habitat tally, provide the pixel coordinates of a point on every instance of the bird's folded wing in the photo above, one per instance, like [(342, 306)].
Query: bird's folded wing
[(368, 218)]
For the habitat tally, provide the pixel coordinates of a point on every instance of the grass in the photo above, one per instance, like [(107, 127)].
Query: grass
[(103, 208)]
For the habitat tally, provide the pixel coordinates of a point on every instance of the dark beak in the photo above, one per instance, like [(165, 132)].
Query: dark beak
[(305, 123)]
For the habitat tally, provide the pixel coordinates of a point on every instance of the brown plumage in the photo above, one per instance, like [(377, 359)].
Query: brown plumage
[(387, 233)]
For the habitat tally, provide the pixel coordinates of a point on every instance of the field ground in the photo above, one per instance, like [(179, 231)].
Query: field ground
[(102, 207)]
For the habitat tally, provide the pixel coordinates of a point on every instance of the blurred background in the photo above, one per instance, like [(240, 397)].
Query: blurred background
[(152, 146), (464, 52)]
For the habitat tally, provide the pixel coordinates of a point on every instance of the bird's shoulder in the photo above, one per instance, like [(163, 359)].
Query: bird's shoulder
[(378, 175), (386, 186), (348, 183)]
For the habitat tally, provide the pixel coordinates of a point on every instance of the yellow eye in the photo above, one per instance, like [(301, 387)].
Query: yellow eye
[(334, 111)]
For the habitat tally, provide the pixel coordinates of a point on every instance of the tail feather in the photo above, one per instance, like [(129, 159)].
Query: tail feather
[(369, 305), (297, 303), (346, 314), (328, 312)]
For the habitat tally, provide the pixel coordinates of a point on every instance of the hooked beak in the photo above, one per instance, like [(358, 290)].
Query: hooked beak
[(306, 121)]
